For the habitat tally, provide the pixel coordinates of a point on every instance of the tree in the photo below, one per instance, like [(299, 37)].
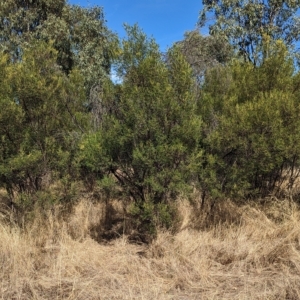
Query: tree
[(247, 23), (151, 141), (80, 36), (255, 139), (84, 42), (40, 108), (20, 20), (204, 52)]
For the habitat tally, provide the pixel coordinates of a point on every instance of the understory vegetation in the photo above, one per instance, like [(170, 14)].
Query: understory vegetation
[(128, 172), (233, 252)]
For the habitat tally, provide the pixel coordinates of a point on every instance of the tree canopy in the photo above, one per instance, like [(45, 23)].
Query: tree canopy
[(246, 24)]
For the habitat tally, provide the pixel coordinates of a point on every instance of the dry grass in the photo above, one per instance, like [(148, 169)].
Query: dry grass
[(250, 254)]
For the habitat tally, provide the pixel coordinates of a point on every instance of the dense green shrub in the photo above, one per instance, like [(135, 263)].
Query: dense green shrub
[(151, 142), (254, 136), (41, 109)]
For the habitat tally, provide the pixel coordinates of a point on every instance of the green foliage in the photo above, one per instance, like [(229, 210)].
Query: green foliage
[(93, 161), (156, 126), (19, 20), (204, 52), (247, 23), (79, 35), (150, 141), (82, 40), (254, 136), (195, 116), (148, 216), (41, 109)]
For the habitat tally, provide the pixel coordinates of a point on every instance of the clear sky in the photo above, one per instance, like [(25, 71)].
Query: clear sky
[(165, 20)]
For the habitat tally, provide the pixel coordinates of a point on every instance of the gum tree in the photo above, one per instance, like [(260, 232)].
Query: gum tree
[(245, 24)]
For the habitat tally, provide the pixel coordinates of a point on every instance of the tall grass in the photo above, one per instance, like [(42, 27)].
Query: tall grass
[(247, 253)]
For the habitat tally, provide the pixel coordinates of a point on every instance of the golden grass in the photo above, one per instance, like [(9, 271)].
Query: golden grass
[(255, 257)]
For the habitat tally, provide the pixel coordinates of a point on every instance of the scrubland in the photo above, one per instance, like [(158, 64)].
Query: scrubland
[(246, 251)]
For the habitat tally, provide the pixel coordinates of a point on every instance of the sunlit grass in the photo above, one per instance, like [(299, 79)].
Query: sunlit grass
[(253, 254)]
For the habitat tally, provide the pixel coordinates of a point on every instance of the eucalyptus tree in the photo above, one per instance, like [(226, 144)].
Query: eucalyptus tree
[(20, 20), (246, 24), (204, 52), (80, 36), (84, 42)]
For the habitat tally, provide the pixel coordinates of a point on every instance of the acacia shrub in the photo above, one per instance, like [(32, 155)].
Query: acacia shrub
[(150, 144), (42, 114), (253, 136)]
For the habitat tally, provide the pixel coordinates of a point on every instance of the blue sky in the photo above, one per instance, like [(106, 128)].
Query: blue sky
[(165, 20)]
